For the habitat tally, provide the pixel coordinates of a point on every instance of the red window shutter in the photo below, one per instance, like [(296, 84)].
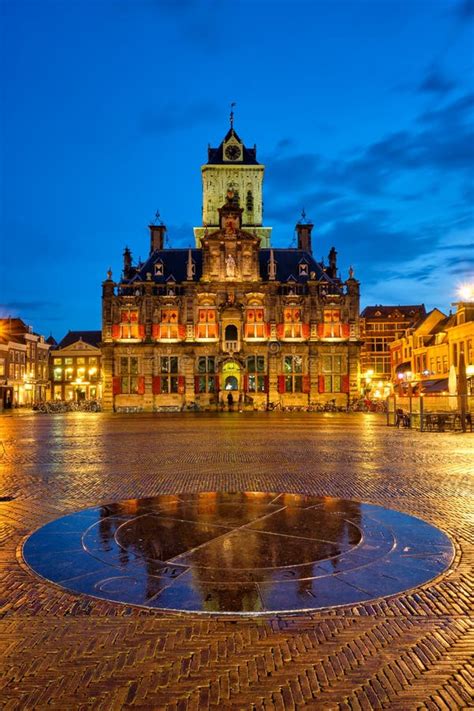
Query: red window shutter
[(141, 330), (216, 383), (181, 384), (280, 330), (345, 383), (196, 384), (306, 383), (246, 383), (321, 383), (155, 330), (320, 330), (156, 385), (265, 383), (346, 330), (141, 384), (116, 331), (306, 330), (116, 385), (182, 331), (281, 383)]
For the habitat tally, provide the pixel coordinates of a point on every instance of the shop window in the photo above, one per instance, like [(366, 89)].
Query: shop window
[(169, 374), (332, 373), (256, 378), (254, 323), (205, 379), (207, 324), (129, 378), (293, 374)]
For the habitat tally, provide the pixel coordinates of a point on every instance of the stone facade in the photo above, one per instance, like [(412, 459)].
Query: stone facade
[(233, 322)]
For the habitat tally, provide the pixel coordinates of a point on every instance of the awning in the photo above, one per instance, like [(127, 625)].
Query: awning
[(434, 386)]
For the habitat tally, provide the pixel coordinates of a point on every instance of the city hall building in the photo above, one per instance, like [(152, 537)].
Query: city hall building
[(234, 322)]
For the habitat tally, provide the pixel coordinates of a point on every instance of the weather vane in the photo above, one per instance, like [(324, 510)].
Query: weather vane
[(232, 114), (157, 220)]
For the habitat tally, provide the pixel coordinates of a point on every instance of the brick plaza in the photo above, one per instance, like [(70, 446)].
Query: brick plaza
[(65, 651)]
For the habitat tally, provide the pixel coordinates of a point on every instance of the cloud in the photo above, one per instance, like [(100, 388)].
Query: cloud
[(17, 305), (175, 116), (436, 82), (465, 10), (292, 172)]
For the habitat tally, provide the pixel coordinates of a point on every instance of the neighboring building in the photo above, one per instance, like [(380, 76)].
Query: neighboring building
[(232, 319), (379, 327), (423, 356), (75, 367), (23, 364)]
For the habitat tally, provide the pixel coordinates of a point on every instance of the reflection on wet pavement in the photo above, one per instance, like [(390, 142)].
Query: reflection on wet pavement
[(243, 552)]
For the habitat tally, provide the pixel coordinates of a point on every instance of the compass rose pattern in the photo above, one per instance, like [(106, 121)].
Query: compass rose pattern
[(239, 553)]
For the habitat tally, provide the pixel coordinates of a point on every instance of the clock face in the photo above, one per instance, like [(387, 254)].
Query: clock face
[(232, 152)]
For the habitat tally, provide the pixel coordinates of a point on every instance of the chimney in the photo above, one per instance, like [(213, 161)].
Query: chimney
[(332, 256), (157, 237), (303, 230), (127, 262)]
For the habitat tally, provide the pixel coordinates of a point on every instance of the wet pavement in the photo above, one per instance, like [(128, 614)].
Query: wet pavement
[(89, 483), (238, 552)]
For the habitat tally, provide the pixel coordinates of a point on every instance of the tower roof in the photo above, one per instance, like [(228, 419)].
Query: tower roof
[(215, 156)]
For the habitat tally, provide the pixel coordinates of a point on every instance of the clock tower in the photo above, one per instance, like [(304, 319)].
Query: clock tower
[(233, 167)]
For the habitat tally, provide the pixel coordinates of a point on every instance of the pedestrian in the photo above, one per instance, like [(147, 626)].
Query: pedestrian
[(230, 401)]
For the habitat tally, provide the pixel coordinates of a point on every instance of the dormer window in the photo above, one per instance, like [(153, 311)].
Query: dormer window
[(159, 269), (303, 267)]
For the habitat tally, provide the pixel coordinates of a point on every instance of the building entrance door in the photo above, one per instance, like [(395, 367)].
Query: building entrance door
[(231, 384)]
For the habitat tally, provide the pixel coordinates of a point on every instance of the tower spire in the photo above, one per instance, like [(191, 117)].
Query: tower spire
[(232, 114)]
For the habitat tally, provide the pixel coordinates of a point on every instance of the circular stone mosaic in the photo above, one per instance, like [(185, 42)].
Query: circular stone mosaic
[(245, 552)]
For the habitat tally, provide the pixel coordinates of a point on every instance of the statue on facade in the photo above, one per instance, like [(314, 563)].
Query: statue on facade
[(230, 266)]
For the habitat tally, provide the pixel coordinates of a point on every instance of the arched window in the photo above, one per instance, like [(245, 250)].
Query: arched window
[(231, 333)]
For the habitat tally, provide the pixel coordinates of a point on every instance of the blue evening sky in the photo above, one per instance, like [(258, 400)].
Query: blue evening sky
[(361, 111)]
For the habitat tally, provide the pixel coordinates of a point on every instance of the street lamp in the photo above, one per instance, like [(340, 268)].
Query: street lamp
[(466, 292)]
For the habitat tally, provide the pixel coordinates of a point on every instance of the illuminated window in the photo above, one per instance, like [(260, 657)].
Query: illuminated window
[(2, 366), (169, 324), (58, 373), (69, 372), (169, 374), (293, 373), (159, 269), (80, 361), (92, 361), (255, 324), (256, 374), (332, 326), (332, 369), (292, 326), (129, 324), (129, 374), (303, 269), (207, 323), (205, 379), (68, 361)]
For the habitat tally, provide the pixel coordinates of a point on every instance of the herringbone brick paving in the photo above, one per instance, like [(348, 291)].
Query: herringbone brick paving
[(62, 651)]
